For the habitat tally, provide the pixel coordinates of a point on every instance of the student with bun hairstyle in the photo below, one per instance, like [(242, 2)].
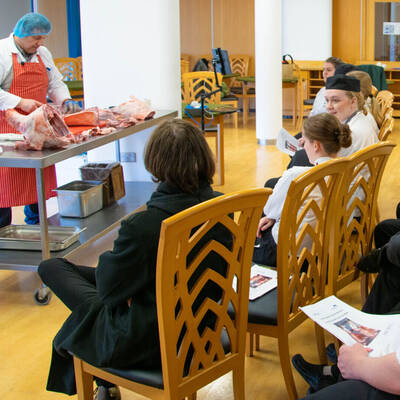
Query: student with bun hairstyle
[(324, 136)]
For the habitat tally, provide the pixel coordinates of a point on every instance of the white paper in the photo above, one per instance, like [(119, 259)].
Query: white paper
[(381, 333), (287, 143), (262, 280)]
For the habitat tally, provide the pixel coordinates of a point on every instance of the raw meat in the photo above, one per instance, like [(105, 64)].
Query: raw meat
[(43, 128), (134, 108), (89, 117)]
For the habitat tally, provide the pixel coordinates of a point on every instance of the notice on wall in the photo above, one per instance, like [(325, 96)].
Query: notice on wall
[(391, 28)]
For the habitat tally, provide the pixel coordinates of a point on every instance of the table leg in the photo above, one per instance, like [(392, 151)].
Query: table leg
[(44, 231)]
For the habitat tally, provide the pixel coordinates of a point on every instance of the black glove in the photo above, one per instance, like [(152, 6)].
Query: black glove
[(70, 106)]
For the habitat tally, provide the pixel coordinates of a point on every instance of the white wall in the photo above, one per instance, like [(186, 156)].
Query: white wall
[(307, 29), (130, 48), (10, 12)]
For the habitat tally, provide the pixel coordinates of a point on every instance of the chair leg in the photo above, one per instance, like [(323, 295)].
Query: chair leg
[(84, 381), (283, 345), (364, 282), (320, 336), (258, 342), (235, 119), (250, 344), (238, 382)]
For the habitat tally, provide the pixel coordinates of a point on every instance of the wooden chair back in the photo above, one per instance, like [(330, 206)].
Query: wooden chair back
[(179, 284), (69, 68), (351, 219), (374, 91), (302, 269), (195, 83), (184, 66), (385, 99), (239, 65), (386, 129), (79, 59)]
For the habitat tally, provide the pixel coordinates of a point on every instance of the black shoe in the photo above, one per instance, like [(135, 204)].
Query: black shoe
[(372, 262), (398, 211), (312, 373), (331, 353), (104, 393)]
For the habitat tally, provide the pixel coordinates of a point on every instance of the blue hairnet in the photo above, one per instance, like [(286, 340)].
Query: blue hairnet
[(32, 24)]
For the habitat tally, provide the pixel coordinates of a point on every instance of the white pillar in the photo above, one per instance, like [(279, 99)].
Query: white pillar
[(268, 44), (130, 48)]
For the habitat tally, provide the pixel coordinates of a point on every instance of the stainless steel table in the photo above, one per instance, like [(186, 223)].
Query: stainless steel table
[(97, 224)]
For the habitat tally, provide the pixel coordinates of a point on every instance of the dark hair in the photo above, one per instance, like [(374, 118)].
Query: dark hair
[(327, 129), (335, 61), (177, 153)]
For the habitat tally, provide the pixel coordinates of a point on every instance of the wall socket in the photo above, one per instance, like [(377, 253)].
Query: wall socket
[(128, 156)]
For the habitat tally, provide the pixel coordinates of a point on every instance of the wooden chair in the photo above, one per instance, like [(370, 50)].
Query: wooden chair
[(385, 99), (184, 66), (195, 83), (351, 221), (301, 270), (79, 59), (239, 65), (387, 125), (190, 359), (69, 68)]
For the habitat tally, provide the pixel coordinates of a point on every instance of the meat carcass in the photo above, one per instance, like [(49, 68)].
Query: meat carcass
[(43, 128), (89, 117), (134, 108)]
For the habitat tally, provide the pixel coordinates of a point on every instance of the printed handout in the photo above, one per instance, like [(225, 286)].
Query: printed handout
[(287, 143), (380, 333)]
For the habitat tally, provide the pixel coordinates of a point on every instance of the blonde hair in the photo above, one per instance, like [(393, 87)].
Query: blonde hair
[(366, 89)]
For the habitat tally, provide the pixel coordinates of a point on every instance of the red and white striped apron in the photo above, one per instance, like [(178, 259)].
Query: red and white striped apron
[(18, 185)]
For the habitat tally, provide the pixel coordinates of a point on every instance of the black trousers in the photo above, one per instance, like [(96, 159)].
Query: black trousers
[(73, 285), (265, 249), (31, 215), (351, 390)]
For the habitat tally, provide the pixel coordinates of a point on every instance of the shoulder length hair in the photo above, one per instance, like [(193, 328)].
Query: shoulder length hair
[(178, 154)]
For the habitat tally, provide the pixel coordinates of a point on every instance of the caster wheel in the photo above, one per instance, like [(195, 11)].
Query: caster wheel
[(42, 296)]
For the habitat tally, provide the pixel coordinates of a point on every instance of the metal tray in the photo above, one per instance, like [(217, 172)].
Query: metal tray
[(27, 237)]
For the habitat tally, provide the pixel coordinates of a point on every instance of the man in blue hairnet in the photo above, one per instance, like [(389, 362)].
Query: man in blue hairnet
[(27, 77)]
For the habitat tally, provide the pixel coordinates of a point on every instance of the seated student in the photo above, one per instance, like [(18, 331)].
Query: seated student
[(357, 376), (371, 105), (344, 101), (114, 320), (324, 137), (330, 65)]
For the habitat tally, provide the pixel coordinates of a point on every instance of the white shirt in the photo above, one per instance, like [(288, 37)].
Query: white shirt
[(57, 90), (362, 134), (319, 105), (274, 206)]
